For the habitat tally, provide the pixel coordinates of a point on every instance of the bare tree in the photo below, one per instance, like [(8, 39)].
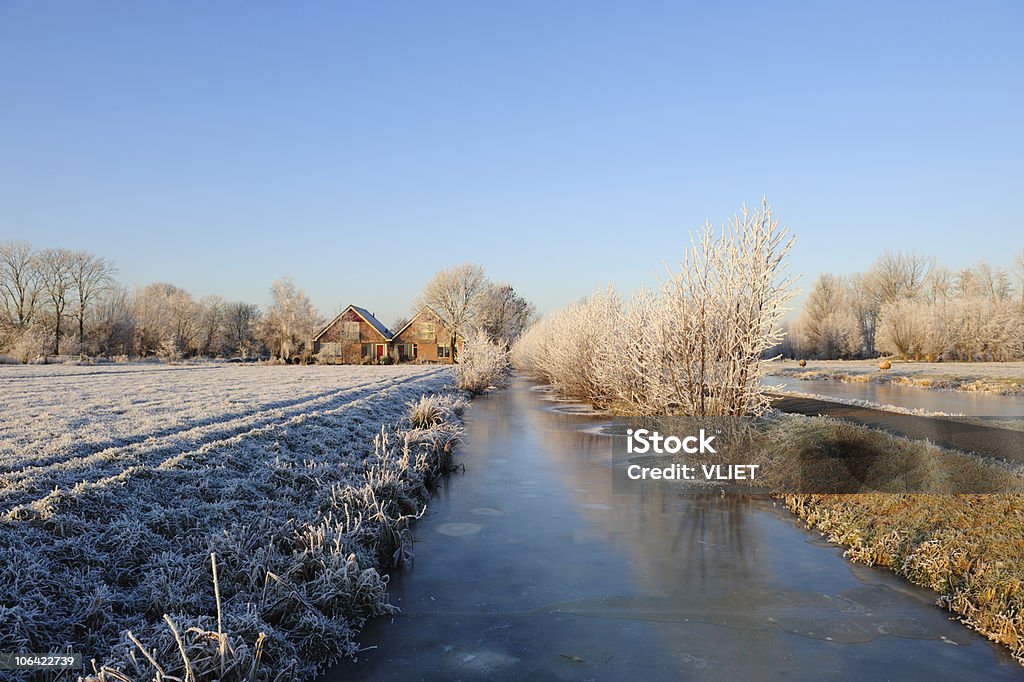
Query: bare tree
[(114, 323), (940, 284), (898, 274), (456, 295), (504, 314), (399, 323), (55, 267), (20, 281), (90, 275), (900, 331), (241, 320), (210, 335)]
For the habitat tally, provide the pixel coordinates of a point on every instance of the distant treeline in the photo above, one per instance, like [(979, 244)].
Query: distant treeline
[(58, 301), (909, 306)]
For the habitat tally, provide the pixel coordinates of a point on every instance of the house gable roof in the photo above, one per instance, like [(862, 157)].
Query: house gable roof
[(424, 309), (367, 317)]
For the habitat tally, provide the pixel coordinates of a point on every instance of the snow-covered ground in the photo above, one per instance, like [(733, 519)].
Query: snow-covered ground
[(117, 483)]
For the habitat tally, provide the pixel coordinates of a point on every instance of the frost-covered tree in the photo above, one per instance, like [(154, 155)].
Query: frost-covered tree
[(865, 307), (830, 327), (1018, 273), (969, 315), (940, 285), (291, 321), (242, 323), (456, 295), (166, 321)]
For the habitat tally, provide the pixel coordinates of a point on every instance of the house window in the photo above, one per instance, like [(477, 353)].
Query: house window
[(350, 331), (427, 331), (367, 350), (444, 351)]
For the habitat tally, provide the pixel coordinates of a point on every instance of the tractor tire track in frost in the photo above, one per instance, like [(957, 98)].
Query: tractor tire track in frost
[(17, 462), (37, 483)]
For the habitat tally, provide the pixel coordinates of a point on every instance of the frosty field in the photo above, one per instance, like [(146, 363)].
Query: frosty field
[(117, 483)]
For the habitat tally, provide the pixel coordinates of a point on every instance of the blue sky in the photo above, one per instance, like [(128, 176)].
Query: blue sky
[(562, 145)]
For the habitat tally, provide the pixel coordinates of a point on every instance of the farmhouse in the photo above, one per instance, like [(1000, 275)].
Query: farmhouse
[(425, 338), (352, 337)]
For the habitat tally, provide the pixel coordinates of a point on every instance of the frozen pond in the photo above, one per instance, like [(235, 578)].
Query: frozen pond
[(529, 567), (910, 397)]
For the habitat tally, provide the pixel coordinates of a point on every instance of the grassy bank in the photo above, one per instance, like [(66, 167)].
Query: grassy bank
[(969, 549)]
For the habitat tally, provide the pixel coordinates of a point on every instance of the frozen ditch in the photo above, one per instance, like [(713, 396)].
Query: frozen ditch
[(531, 567)]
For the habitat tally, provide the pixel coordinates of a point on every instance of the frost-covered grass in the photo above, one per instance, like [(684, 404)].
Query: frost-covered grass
[(1002, 378), (117, 484)]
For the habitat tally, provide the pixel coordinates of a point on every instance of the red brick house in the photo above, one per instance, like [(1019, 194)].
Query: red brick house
[(425, 338), (353, 337)]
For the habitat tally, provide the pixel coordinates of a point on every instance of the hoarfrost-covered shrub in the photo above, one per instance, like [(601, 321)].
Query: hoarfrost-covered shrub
[(695, 346), (561, 349), (482, 364), (28, 343)]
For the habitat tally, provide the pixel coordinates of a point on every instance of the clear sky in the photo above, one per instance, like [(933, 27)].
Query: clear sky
[(562, 145)]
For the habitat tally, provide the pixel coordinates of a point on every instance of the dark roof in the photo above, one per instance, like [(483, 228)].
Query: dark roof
[(363, 313)]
